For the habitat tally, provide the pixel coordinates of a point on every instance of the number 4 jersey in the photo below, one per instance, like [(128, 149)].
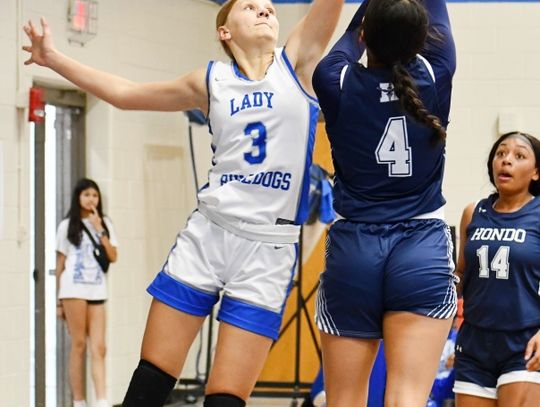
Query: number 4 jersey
[(388, 167), (502, 267), (262, 138)]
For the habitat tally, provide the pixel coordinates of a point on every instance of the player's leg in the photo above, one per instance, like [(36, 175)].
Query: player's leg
[(413, 347), (481, 356), (256, 287), (467, 400), (184, 293), (517, 386), (238, 361), (349, 310), (167, 339), (347, 364), (519, 394), (475, 368), (420, 297)]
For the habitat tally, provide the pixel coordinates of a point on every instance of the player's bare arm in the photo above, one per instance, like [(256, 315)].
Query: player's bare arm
[(309, 39), (465, 221), (183, 93)]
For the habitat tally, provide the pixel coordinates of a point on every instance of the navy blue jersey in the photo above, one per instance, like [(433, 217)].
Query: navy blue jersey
[(387, 166), (501, 287)]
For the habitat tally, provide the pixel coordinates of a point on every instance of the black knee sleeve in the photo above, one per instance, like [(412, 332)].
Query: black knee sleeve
[(149, 386), (223, 400)]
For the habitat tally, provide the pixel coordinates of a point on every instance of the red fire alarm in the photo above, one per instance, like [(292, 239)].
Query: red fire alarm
[(36, 107), (82, 20), (79, 19)]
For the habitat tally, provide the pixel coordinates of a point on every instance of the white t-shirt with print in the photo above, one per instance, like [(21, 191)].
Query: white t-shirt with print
[(82, 276)]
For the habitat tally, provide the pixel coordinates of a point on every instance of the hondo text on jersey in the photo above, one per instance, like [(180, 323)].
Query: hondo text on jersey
[(500, 234)]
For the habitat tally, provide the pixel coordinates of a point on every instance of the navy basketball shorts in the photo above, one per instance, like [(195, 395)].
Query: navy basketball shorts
[(254, 277), (487, 359), (372, 269)]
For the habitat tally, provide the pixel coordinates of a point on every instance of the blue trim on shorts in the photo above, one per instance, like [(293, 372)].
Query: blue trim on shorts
[(291, 284), (484, 355), (372, 269), (244, 315), (181, 296), (291, 281)]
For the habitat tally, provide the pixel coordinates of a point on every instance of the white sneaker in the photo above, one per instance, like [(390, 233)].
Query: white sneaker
[(102, 403), (79, 403)]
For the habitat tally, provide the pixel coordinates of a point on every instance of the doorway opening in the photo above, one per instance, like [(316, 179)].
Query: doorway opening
[(57, 162)]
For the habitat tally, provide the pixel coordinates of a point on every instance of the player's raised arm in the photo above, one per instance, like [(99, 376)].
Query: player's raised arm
[(440, 50), (185, 92), (460, 266), (440, 47), (307, 42), (326, 78)]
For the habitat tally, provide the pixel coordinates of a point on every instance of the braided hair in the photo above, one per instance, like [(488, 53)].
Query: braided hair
[(395, 31)]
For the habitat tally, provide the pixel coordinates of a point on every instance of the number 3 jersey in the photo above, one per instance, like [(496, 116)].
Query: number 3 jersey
[(262, 138), (501, 287)]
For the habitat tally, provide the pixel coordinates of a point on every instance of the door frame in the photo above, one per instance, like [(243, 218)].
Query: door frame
[(76, 168)]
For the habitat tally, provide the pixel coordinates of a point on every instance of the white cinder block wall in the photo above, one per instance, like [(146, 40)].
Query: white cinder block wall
[(497, 74), (141, 159)]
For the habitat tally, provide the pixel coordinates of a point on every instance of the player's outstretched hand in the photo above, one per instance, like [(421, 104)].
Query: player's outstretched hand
[(42, 47), (532, 353)]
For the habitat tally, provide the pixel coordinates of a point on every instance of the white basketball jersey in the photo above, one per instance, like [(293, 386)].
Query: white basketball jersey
[(263, 134)]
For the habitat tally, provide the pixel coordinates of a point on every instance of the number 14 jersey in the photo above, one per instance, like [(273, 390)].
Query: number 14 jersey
[(501, 287), (262, 138)]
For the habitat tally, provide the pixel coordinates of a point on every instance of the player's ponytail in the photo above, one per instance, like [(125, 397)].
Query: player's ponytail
[(395, 31), (406, 91)]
